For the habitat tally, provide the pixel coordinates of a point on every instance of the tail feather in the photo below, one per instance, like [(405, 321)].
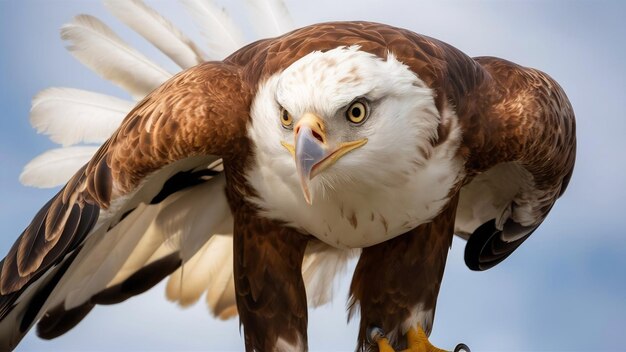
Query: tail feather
[(321, 265), (207, 272)]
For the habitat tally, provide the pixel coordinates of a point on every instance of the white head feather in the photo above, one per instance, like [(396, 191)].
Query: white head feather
[(392, 171)]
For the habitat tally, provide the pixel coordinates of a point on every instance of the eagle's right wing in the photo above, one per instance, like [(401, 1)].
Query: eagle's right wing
[(132, 190), (150, 248)]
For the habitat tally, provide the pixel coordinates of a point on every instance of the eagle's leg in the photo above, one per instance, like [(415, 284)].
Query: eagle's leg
[(396, 284), (271, 297), (416, 340)]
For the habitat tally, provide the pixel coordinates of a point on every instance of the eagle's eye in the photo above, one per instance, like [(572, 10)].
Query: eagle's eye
[(357, 112), (285, 118)]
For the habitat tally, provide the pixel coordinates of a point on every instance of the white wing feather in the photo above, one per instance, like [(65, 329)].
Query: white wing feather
[(111, 256), (157, 30), (270, 18), (70, 116), (222, 35), (99, 48), (221, 297), (100, 265), (210, 268), (56, 166), (199, 213), (162, 243)]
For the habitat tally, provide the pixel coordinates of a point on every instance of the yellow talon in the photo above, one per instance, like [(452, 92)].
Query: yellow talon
[(384, 346), (417, 341)]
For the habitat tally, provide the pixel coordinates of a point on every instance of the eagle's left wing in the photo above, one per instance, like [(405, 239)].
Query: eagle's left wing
[(513, 130), (520, 152)]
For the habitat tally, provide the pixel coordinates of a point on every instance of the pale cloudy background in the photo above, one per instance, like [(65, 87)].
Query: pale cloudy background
[(563, 290)]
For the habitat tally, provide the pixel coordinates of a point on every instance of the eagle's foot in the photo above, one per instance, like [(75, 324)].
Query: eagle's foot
[(416, 338)]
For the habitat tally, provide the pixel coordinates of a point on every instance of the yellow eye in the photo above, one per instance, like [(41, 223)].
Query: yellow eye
[(285, 118), (357, 112)]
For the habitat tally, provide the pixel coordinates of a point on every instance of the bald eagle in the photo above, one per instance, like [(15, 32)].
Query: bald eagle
[(286, 158)]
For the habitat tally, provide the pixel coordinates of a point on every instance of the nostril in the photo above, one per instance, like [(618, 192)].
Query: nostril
[(318, 136)]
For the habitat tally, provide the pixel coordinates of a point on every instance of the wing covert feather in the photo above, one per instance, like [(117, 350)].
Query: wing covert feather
[(200, 112)]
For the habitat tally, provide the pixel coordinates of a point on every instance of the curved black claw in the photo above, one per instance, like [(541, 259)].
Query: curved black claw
[(374, 333), (462, 348)]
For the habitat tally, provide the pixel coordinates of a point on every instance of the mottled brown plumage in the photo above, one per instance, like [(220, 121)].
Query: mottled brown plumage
[(271, 298), (506, 113), (392, 277)]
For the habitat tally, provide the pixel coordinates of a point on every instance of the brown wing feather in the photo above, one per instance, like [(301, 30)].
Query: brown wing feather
[(202, 111), (44, 241), (527, 119), (522, 109)]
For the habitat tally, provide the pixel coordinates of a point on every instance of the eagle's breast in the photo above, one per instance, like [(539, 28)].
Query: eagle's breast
[(356, 215)]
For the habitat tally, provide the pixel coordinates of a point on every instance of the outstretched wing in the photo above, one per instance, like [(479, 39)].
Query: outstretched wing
[(71, 116), (520, 156), (121, 196)]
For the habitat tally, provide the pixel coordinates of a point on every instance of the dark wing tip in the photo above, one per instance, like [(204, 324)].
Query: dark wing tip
[(139, 282), (58, 321), (485, 248)]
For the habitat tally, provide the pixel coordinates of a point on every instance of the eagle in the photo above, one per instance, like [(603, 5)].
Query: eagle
[(333, 139)]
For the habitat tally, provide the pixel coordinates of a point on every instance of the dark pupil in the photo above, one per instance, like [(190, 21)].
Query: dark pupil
[(285, 115), (356, 112)]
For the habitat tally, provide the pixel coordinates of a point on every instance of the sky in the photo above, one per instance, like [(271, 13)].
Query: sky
[(563, 290)]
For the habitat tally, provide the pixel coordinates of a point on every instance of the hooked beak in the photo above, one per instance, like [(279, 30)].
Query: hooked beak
[(312, 152)]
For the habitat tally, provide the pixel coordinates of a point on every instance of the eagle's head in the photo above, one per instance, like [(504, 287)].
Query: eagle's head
[(344, 116), (340, 123)]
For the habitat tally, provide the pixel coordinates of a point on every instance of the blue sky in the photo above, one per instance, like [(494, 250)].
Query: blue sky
[(563, 290)]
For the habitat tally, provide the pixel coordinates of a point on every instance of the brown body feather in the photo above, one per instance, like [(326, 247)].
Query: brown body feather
[(393, 277)]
